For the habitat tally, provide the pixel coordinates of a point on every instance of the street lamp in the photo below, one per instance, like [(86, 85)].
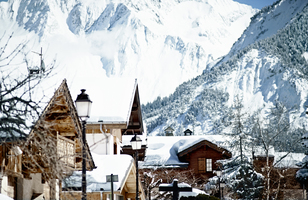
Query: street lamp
[(83, 106), (219, 173), (136, 145)]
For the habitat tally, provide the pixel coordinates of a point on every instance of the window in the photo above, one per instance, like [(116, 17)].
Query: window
[(209, 165), (120, 197)]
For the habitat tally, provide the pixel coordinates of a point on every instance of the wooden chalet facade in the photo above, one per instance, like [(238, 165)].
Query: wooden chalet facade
[(11, 166), (202, 157), (34, 166)]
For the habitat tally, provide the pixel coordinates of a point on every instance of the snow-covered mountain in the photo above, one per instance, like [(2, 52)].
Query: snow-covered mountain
[(208, 44), (267, 64), (161, 43)]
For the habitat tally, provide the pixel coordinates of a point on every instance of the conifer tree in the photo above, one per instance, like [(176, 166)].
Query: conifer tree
[(241, 178), (238, 172)]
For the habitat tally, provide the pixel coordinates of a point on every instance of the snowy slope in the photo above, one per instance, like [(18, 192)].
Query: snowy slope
[(263, 67), (267, 22), (152, 41)]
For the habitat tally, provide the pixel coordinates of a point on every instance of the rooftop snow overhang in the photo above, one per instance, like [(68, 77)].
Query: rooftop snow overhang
[(202, 143)]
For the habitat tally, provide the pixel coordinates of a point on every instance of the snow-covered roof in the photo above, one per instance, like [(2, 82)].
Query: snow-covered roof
[(162, 151), (106, 165), (188, 147), (112, 98), (289, 161), (180, 185)]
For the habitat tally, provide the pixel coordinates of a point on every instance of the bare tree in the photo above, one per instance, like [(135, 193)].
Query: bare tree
[(18, 111), (270, 131)]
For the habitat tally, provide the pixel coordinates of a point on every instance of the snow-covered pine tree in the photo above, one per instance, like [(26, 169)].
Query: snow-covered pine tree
[(302, 174), (241, 178), (238, 172)]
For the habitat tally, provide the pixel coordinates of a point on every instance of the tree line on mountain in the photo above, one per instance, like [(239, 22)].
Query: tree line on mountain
[(187, 107), (289, 44)]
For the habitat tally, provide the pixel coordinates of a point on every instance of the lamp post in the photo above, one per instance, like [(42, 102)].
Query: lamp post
[(136, 145), (83, 106), (218, 173)]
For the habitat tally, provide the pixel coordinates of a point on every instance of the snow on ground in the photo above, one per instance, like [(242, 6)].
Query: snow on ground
[(4, 197), (194, 192)]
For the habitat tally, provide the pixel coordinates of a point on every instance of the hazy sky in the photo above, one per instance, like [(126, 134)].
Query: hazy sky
[(257, 3)]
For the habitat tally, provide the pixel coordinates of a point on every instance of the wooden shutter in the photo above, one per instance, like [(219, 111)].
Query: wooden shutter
[(201, 165)]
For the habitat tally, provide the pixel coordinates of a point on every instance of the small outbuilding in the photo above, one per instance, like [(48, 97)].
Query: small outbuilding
[(188, 132), (169, 131), (202, 156)]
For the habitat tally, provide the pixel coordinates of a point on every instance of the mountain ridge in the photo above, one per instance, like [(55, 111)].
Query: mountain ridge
[(149, 40)]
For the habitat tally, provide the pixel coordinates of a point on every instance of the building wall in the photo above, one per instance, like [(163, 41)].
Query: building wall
[(4, 188), (203, 152), (99, 142), (26, 188)]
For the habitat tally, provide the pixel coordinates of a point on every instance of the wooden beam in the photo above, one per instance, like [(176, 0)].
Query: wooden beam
[(68, 134)]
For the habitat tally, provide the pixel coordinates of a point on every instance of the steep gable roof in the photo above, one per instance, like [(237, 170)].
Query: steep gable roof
[(200, 143), (169, 128), (62, 113), (134, 117), (61, 118)]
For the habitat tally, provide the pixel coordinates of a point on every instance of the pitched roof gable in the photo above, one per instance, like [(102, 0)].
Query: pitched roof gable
[(61, 108), (199, 143), (134, 117), (61, 118)]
